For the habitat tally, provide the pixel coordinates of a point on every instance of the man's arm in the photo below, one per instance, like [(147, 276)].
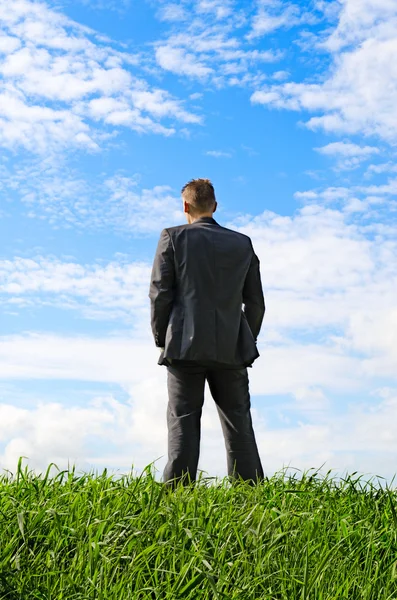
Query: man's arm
[(161, 291), (253, 296)]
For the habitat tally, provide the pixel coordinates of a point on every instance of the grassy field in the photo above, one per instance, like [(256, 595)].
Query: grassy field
[(93, 536)]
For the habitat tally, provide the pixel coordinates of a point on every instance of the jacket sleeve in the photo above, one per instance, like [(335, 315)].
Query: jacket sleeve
[(253, 298), (162, 285)]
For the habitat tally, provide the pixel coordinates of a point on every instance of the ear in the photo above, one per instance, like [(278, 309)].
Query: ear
[(186, 207), (216, 204)]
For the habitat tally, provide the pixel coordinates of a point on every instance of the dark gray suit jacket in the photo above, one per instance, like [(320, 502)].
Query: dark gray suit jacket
[(202, 275)]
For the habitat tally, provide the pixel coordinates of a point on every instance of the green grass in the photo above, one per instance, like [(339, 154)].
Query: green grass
[(96, 537)]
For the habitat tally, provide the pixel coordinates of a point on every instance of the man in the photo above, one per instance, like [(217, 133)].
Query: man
[(202, 275)]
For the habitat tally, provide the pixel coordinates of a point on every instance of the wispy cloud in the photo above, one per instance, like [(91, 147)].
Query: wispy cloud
[(218, 9), (371, 205), (53, 191), (348, 155), (275, 14), (389, 167), (218, 154), (209, 46), (116, 290), (62, 83), (179, 60), (280, 75), (117, 6), (172, 12), (359, 92), (250, 151)]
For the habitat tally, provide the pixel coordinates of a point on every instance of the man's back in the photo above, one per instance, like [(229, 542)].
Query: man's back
[(202, 275)]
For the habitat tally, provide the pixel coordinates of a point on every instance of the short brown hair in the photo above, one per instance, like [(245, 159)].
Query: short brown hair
[(200, 194)]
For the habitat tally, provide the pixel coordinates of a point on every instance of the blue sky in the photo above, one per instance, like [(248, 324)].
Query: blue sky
[(106, 110)]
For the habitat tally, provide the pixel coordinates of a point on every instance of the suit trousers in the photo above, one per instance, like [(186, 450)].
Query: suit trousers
[(230, 390)]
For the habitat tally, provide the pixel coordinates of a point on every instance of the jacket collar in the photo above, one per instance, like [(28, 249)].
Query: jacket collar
[(205, 220)]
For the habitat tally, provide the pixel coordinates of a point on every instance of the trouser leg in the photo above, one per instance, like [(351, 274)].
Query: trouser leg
[(230, 391), (185, 403)]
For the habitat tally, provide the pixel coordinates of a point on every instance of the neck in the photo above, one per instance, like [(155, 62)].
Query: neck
[(193, 219)]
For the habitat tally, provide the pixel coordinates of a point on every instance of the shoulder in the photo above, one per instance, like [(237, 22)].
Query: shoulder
[(170, 232), (242, 237), (176, 229)]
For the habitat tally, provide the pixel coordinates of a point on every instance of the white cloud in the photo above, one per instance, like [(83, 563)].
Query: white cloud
[(386, 188), (250, 151), (160, 104), (275, 15), (46, 356), (8, 44), (118, 6), (329, 285), (372, 202), (317, 266), (116, 290), (359, 92), (280, 75), (52, 191), (40, 128), (131, 360), (364, 333), (329, 271), (347, 149), (218, 8), (337, 249), (211, 47), (181, 61), (61, 82), (350, 156), (389, 167), (53, 432), (360, 19), (218, 154), (172, 12)]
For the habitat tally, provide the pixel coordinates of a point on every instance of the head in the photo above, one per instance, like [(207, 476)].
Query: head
[(198, 198)]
